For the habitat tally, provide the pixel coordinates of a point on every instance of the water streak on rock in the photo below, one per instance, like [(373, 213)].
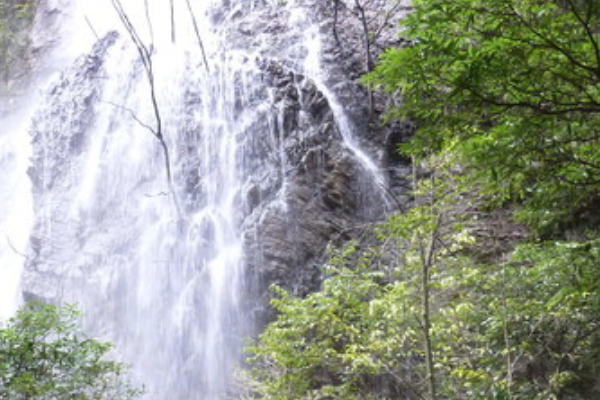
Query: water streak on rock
[(267, 168)]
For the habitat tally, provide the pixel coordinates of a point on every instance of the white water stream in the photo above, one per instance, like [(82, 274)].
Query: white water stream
[(15, 222), (167, 287)]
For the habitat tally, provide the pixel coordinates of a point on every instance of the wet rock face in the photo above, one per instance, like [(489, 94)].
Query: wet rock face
[(62, 131), (319, 193), (58, 135), (262, 168), (301, 184), (313, 197)]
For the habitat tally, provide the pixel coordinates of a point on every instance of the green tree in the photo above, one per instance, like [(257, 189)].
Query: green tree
[(513, 86), (418, 315), (525, 329), (506, 98), (45, 356), (373, 330)]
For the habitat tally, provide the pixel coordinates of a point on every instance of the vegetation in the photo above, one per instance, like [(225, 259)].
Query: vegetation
[(513, 87), (16, 17), (441, 303), (419, 315), (44, 355)]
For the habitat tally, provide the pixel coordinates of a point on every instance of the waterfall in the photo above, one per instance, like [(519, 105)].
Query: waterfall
[(159, 264), (15, 195)]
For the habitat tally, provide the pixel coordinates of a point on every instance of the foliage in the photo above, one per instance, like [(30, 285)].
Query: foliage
[(506, 98), (334, 343), (526, 327), (44, 355), (16, 17), (513, 86)]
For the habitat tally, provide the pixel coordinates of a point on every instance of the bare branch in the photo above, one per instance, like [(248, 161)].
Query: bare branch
[(89, 24), (157, 131), (198, 37), (336, 5), (148, 20), (367, 43), (14, 249), (172, 21), (133, 115), (156, 195)]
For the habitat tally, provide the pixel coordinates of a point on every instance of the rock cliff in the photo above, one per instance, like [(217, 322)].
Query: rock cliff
[(275, 151)]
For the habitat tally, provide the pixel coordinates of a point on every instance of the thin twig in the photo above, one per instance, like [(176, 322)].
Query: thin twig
[(198, 37), (157, 131), (172, 22), (17, 252), (133, 115), (149, 21), (89, 24)]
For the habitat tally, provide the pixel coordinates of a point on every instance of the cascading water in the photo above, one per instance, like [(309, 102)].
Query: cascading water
[(313, 67), (15, 191), (160, 267)]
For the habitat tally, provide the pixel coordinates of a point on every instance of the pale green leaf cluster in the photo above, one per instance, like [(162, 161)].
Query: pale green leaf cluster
[(44, 355), (526, 327)]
